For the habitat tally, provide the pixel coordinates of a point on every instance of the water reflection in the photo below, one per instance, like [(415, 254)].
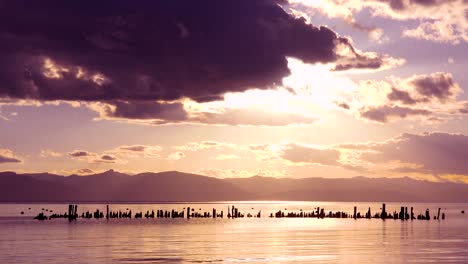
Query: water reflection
[(246, 240)]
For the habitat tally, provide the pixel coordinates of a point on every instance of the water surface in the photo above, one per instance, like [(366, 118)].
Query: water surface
[(247, 240)]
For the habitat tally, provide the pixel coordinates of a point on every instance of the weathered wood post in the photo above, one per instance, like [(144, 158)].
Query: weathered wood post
[(383, 215), (355, 210)]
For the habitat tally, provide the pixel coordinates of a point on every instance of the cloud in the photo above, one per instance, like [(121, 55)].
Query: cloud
[(106, 158), (115, 54), (47, 153), (7, 156), (136, 151), (428, 97), (172, 112), (254, 117), (300, 154), (202, 145), (119, 154), (438, 85), (402, 96), (438, 20), (156, 113), (236, 173), (343, 105), (84, 171), (80, 154), (178, 155), (384, 114), (436, 153)]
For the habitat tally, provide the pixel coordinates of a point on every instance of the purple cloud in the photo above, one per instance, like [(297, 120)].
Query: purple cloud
[(301, 154), (123, 51), (384, 114), (80, 154), (437, 153)]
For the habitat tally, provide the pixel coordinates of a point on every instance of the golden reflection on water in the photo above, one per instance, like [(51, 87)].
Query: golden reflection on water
[(248, 240)]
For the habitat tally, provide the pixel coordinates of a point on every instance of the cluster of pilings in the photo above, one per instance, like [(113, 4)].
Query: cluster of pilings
[(234, 212), (317, 213)]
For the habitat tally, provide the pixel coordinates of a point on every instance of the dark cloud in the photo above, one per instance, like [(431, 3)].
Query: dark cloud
[(438, 85), (401, 96), (343, 105), (358, 61), (155, 50), (174, 113), (105, 159), (146, 110), (399, 5), (80, 153), (437, 153), (384, 114), (299, 154), (7, 159), (136, 148)]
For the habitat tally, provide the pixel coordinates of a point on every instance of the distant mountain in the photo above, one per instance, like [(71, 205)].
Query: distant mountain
[(173, 186), (112, 186), (353, 189)]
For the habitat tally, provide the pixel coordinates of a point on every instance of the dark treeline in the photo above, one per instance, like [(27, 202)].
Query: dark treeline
[(234, 212)]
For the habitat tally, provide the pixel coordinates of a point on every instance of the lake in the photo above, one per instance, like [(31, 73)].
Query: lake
[(242, 240)]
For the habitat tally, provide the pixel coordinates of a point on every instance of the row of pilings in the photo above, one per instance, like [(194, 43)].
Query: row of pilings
[(234, 212)]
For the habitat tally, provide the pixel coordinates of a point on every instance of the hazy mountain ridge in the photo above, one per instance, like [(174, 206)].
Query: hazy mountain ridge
[(173, 186)]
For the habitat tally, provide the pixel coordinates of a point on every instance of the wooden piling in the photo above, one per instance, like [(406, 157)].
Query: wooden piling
[(383, 215)]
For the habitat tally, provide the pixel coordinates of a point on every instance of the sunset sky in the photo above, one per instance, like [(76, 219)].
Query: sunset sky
[(305, 88)]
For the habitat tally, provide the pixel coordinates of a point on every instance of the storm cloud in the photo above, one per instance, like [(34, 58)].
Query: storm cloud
[(156, 50)]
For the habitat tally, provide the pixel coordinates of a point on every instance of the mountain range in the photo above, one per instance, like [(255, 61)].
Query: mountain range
[(173, 186)]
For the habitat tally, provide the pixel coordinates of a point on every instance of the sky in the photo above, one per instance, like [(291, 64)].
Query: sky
[(298, 88)]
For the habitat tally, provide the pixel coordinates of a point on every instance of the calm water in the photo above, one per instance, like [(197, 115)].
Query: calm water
[(248, 240)]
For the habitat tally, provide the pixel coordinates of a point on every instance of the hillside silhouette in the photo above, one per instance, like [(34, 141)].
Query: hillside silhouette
[(173, 186)]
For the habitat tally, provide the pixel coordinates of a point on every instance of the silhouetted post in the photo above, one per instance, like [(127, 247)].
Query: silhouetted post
[(428, 217), (188, 212), (443, 216), (355, 209), (214, 213), (438, 214), (412, 214), (406, 213), (107, 212), (402, 213), (384, 213)]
